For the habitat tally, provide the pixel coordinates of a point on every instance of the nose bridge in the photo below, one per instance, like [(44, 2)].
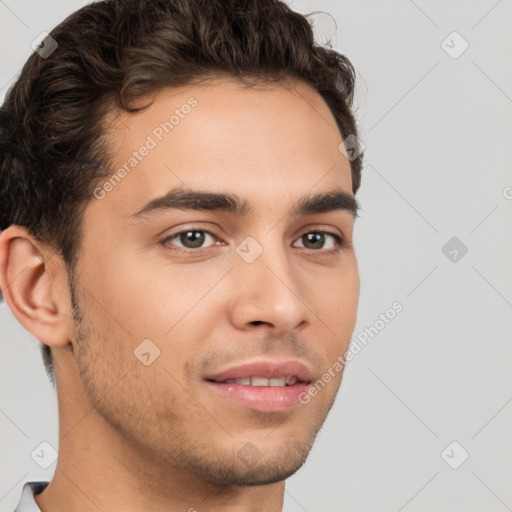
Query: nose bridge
[(268, 289)]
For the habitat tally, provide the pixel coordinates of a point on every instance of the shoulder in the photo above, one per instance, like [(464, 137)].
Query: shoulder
[(27, 502)]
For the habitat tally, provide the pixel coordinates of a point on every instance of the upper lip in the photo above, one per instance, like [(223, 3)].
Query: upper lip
[(266, 369)]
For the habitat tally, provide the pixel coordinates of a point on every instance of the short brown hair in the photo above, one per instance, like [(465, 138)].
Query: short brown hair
[(53, 148)]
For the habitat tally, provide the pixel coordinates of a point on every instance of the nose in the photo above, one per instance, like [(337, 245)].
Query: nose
[(269, 291)]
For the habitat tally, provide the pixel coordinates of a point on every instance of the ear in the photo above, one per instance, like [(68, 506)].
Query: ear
[(34, 283)]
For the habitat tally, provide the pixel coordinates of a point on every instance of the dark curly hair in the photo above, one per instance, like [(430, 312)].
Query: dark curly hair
[(53, 146)]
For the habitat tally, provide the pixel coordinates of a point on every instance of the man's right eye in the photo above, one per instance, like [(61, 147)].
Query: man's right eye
[(190, 239)]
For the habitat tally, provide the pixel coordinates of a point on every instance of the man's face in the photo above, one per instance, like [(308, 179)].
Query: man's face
[(242, 287)]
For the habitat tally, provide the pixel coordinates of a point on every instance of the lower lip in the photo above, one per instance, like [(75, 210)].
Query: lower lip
[(261, 398)]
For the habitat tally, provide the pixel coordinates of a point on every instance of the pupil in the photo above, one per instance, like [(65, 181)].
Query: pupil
[(317, 239), (192, 239)]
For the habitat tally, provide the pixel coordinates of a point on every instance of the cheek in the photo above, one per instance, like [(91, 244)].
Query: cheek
[(337, 306), (340, 291), (176, 306), (145, 292)]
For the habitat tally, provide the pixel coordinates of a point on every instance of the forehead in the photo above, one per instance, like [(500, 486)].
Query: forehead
[(265, 143)]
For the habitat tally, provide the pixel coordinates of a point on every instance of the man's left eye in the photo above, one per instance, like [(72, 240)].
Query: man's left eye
[(317, 239)]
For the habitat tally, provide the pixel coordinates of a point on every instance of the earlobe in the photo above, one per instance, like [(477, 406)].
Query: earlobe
[(28, 277)]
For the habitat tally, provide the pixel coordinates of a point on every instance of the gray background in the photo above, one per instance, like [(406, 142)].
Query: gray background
[(438, 134)]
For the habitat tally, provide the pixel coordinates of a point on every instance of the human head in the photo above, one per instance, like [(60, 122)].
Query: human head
[(113, 59)]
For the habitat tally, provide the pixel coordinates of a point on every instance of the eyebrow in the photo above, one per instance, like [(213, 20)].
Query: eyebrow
[(181, 199)]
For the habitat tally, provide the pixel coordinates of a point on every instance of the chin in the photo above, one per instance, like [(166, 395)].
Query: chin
[(250, 467)]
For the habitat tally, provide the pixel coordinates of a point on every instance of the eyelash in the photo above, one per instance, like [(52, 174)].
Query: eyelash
[(341, 242)]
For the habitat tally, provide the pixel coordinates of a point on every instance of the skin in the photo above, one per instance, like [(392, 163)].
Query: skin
[(136, 437)]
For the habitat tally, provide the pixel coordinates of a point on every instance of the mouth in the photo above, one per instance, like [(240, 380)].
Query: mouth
[(264, 386), (263, 381)]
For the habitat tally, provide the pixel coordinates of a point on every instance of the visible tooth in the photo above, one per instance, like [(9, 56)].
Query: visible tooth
[(262, 381), (259, 381)]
